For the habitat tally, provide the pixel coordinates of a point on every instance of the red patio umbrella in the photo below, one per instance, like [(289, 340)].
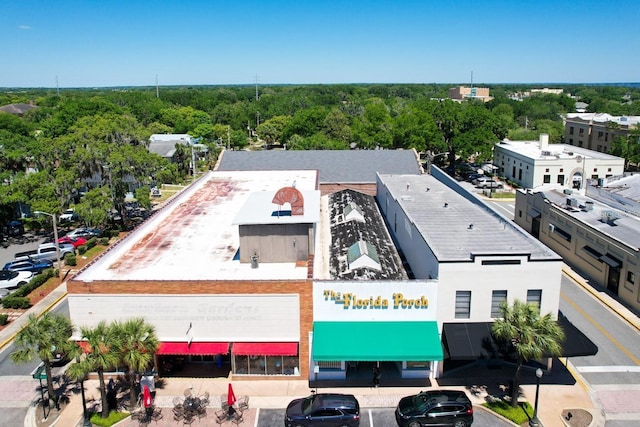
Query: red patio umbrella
[(231, 397), (146, 397)]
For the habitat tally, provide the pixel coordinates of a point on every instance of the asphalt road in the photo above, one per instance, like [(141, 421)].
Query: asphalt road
[(379, 417)]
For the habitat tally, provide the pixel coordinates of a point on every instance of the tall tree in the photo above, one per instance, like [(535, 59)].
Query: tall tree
[(531, 335), (101, 355), (44, 338), (136, 347)]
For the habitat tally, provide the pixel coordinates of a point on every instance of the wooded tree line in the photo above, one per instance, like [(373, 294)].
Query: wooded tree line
[(102, 134)]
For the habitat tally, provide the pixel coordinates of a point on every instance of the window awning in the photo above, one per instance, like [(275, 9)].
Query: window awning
[(265, 348), (195, 348), (533, 213), (376, 341), (610, 260), (592, 252), (468, 341)]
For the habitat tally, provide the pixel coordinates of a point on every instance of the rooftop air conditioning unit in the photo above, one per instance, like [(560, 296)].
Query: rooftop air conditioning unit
[(572, 202)]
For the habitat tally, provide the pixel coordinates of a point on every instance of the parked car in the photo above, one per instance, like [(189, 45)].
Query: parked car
[(68, 216), (487, 182), (85, 233), (48, 251), (4, 293), (75, 241), (13, 228), (326, 409), (435, 408), (28, 264), (14, 279)]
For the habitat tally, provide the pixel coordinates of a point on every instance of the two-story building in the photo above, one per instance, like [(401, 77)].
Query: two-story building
[(531, 164), (595, 131)]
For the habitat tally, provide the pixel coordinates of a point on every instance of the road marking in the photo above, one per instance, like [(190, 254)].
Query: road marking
[(608, 368), (601, 329), (370, 418)]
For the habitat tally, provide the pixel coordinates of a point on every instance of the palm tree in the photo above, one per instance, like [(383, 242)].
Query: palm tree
[(531, 335), (101, 355), (44, 338), (137, 345)]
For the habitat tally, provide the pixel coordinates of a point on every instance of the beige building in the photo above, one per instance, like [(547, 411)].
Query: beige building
[(595, 131), (461, 93), (597, 232)]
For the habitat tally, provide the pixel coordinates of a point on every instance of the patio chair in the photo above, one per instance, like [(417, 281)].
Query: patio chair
[(236, 418), (221, 416), (224, 403), (157, 415), (178, 416), (243, 403), (204, 400)]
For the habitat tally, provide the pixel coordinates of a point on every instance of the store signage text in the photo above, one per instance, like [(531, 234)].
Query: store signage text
[(350, 300)]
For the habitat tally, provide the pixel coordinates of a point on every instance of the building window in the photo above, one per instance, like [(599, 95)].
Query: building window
[(594, 176), (519, 213), (580, 143), (600, 134), (570, 141), (561, 170), (571, 130), (580, 132), (563, 234), (560, 179), (546, 179), (534, 296), (520, 174), (631, 277), (599, 148), (595, 169), (608, 169), (266, 365), (546, 170), (497, 298), (463, 304)]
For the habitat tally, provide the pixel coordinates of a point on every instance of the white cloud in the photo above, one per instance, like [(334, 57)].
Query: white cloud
[(24, 27)]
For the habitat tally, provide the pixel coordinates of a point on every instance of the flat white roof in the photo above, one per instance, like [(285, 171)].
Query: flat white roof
[(194, 236), (532, 150)]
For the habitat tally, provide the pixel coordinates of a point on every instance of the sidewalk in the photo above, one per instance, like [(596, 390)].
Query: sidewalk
[(554, 397)]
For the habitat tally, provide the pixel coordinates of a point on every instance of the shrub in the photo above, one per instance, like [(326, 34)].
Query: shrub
[(4, 318), (91, 242), (12, 301), (82, 250), (71, 259), (113, 418), (104, 241), (115, 233), (519, 415)]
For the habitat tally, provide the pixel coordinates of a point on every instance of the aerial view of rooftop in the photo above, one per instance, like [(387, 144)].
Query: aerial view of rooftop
[(312, 213)]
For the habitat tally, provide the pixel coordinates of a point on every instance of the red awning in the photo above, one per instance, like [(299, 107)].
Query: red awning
[(195, 348), (265, 348)]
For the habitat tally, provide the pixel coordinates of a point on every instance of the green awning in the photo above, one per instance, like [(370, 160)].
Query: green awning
[(376, 341)]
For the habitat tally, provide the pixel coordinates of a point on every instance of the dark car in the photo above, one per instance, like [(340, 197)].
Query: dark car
[(323, 409), (435, 408), (13, 228), (28, 264)]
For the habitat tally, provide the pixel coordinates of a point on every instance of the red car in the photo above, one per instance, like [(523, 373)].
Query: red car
[(75, 241)]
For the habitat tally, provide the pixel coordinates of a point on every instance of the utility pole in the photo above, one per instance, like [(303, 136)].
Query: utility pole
[(57, 87), (228, 137), (257, 87), (157, 88)]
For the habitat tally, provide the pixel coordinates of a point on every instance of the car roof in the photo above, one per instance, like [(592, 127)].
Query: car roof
[(337, 400), (442, 396)]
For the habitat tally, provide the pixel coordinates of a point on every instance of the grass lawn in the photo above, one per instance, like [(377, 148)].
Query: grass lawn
[(520, 415)]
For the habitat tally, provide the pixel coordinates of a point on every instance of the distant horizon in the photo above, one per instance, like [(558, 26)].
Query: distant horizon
[(547, 85)]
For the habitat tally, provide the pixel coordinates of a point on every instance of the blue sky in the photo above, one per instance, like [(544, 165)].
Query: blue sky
[(128, 43)]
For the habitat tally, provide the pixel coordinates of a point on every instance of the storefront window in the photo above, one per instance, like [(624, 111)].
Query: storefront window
[(265, 365), (418, 365)]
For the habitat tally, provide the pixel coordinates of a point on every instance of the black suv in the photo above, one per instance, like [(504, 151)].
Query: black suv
[(324, 409), (435, 408)]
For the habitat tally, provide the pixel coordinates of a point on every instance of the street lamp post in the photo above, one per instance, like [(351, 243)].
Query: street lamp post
[(55, 236), (535, 422)]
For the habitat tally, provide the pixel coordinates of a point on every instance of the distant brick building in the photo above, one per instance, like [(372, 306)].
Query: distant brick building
[(461, 93)]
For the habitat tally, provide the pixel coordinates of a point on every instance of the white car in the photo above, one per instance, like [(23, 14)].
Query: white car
[(68, 216), (10, 279)]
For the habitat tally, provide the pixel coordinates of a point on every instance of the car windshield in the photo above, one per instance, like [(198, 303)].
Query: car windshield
[(421, 402), (307, 405)]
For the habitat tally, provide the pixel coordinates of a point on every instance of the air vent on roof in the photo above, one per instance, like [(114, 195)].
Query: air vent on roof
[(609, 217), (568, 191), (573, 202), (588, 206)]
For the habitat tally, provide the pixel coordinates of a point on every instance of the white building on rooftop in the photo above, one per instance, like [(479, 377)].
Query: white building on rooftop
[(531, 164)]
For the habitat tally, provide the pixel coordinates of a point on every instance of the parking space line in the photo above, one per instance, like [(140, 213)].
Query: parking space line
[(370, 418)]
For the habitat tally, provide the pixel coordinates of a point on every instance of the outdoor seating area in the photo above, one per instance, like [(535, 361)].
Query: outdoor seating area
[(231, 409), (190, 408)]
